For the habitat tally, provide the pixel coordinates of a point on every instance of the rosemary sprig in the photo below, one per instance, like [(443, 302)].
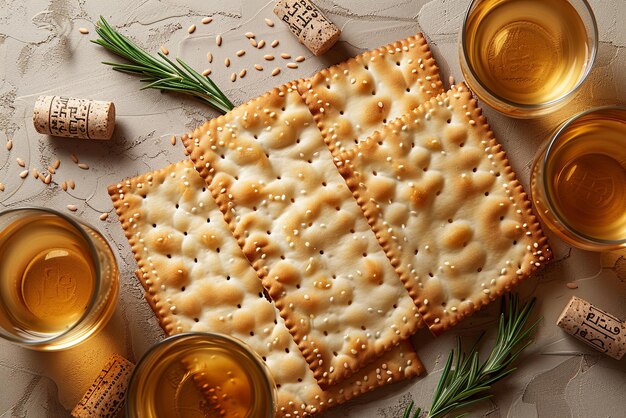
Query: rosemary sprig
[(468, 381), (163, 73)]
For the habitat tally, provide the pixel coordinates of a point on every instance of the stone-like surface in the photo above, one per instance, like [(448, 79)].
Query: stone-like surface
[(42, 52)]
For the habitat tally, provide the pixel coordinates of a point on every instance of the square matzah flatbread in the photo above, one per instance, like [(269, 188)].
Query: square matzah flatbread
[(197, 279), (446, 206), (294, 217), (353, 99)]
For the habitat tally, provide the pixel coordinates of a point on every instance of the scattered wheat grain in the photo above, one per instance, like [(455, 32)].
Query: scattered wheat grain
[(258, 67), (191, 29), (48, 179), (56, 164), (300, 58), (249, 35), (285, 55), (207, 20), (74, 158), (292, 65), (83, 166), (71, 184), (269, 22), (268, 57), (206, 72), (275, 43), (64, 186), (261, 44), (103, 216), (20, 162), (233, 77), (241, 53), (10, 144), (276, 71), (23, 174), (242, 73), (84, 31), (218, 40), (164, 50), (73, 208)]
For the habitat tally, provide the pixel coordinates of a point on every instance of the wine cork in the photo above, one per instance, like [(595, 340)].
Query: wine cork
[(309, 24), (106, 396), (74, 118), (596, 328)]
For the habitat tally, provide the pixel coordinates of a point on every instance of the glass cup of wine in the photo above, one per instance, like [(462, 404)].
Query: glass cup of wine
[(201, 375), (58, 279), (526, 58), (578, 180)]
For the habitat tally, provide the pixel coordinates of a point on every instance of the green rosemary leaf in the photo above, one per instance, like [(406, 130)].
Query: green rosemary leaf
[(444, 375), (471, 392), (474, 369), (159, 72), (156, 83), (407, 411), (194, 74), (458, 357), (458, 405), (127, 68), (498, 376)]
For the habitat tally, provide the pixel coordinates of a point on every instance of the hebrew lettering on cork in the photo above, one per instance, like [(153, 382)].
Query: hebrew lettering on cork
[(595, 327), (309, 24), (70, 117), (107, 395)]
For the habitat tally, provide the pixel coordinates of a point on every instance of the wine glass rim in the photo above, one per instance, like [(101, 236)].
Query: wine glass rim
[(98, 282), (544, 177), (542, 105), (206, 336)]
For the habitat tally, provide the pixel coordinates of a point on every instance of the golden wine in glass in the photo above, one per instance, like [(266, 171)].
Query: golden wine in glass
[(58, 279), (526, 58), (578, 182)]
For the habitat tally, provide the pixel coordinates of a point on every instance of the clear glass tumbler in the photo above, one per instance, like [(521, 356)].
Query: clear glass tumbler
[(526, 58), (58, 279), (201, 375), (578, 180)]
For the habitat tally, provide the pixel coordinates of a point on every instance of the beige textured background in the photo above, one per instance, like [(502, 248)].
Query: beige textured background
[(41, 52)]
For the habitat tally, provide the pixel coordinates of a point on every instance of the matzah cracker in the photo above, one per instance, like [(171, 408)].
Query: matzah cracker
[(353, 99), (446, 206), (197, 279), (275, 181)]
